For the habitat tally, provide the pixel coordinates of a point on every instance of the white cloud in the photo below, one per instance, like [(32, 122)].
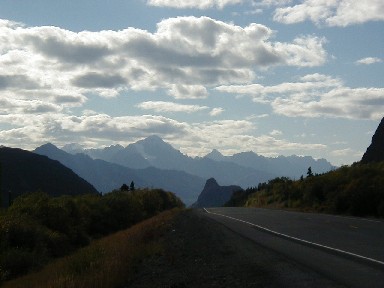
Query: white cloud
[(161, 106), (316, 95), (332, 12), (369, 60), (47, 72), (216, 111), (200, 4), (95, 130), (276, 132), (184, 56)]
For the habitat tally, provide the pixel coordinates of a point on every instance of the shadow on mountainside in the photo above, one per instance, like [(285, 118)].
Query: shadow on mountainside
[(202, 253)]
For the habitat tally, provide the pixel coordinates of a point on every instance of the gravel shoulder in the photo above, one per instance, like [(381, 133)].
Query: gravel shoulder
[(199, 252)]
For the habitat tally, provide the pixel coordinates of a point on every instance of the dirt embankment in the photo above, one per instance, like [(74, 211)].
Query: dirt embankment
[(202, 253)]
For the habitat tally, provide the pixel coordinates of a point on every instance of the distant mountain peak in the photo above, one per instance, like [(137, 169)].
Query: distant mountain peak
[(214, 195), (375, 151), (48, 146), (154, 138), (211, 182), (215, 155)]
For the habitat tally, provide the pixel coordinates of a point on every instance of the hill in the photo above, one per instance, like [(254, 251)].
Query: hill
[(24, 172)]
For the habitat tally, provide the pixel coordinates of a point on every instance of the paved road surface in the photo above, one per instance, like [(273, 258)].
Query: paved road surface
[(346, 249)]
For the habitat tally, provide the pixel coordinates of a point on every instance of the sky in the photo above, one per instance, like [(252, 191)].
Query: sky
[(277, 77)]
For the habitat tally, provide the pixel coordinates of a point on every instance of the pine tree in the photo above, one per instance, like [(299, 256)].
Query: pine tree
[(309, 172)]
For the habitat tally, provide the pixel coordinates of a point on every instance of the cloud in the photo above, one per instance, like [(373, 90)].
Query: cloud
[(160, 106), (98, 80), (232, 136), (216, 111), (180, 91), (276, 132), (95, 130), (47, 73), (369, 60), (332, 12), (184, 56), (316, 95), (18, 106), (201, 4)]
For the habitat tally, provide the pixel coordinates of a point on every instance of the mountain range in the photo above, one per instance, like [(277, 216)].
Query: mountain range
[(245, 169), (151, 162), (106, 176)]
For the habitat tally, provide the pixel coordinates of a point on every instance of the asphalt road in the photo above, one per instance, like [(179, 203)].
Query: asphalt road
[(344, 249)]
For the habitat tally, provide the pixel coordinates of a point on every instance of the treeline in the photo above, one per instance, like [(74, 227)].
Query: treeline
[(355, 190), (37, 228)]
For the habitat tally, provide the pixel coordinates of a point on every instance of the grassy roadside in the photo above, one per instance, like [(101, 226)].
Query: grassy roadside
[(109, 262)]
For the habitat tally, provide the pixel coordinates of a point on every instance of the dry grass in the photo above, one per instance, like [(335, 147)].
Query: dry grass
[(108, 262)]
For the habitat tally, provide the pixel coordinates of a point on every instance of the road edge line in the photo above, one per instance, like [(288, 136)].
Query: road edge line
[(306, 242)]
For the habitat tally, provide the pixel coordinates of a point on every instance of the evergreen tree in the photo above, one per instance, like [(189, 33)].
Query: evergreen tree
[(309, 172), (132, 186), (124, 187)]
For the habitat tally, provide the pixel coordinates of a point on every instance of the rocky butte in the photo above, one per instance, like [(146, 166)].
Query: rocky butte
[(375, 151)]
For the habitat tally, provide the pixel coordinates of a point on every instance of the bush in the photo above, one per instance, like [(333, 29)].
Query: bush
[(37, 227), (357, 190)]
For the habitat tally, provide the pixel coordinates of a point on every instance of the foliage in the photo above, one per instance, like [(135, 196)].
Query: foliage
[(37, 227), (108, 262), (356, 190)]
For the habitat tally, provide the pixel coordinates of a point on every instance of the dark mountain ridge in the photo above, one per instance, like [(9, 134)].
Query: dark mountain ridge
[(24, 171)]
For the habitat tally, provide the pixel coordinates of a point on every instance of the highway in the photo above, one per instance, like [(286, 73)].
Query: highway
[(347, 250)]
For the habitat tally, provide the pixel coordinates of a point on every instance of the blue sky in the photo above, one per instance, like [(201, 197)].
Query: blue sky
[(277, 77)]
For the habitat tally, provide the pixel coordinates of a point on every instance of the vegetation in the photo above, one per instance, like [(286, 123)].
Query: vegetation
[(356, 190), (108, 262), (37, 227)]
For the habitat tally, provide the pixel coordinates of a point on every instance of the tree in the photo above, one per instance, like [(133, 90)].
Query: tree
[(124, 187), (309, 172), (132, 186), (1, 193)]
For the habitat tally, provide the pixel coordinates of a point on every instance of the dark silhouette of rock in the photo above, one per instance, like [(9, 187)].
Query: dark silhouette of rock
[(214, 195), (375, 151)]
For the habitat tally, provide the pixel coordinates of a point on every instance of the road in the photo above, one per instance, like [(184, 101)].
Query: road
[(348, 250)]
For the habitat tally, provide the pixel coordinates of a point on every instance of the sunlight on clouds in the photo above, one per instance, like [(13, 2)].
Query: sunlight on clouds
[(332, 12), (316, 95), (216, 111), (184, 56), (161, 106), (200, 4)]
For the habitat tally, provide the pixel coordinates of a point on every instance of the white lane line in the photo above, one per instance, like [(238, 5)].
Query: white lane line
[(300, 240), (325, 215)]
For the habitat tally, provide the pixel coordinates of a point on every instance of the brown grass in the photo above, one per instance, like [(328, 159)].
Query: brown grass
[(108, 262)]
